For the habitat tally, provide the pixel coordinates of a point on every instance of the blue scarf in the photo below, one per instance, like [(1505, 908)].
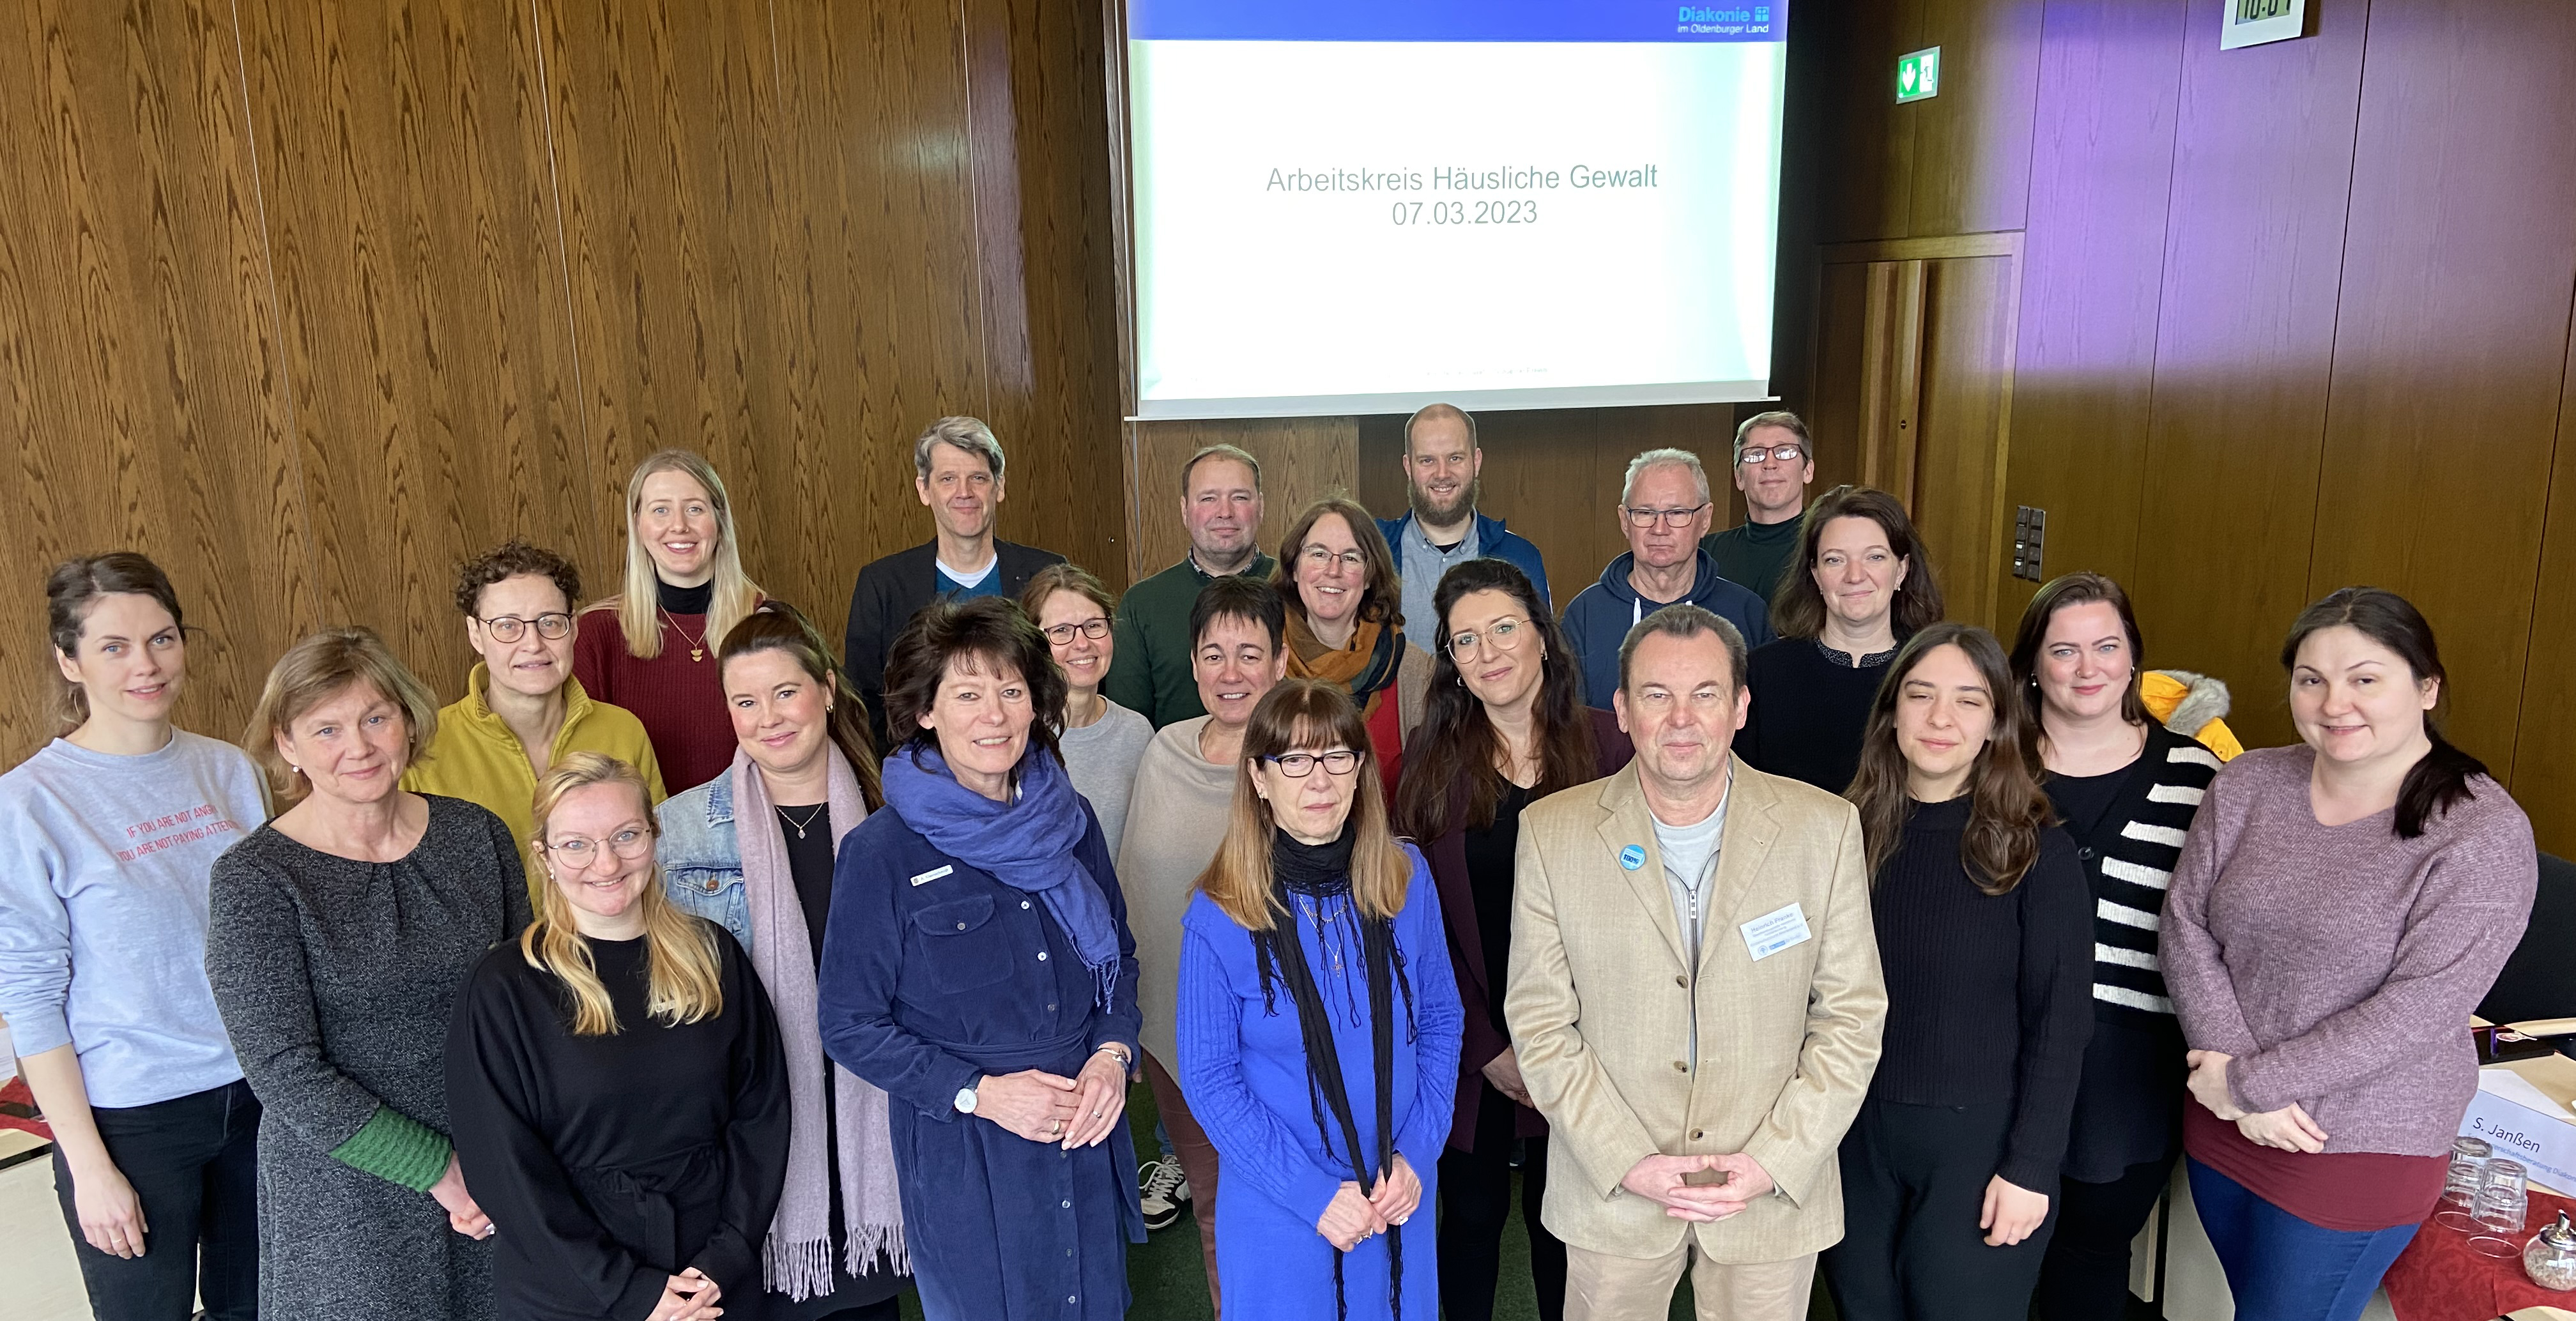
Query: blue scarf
[(1027, 844)]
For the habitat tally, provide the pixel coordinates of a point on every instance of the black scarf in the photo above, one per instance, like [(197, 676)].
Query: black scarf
[(1315, 873)]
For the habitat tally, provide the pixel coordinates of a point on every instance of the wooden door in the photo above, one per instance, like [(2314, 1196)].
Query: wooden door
[(1914, 347)]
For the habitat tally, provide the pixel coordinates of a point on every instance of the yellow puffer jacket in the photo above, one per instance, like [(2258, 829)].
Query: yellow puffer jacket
[(2193, 704)]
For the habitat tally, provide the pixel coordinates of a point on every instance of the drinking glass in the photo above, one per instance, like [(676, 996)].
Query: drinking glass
[(2503, 1201), (2460, 1184)]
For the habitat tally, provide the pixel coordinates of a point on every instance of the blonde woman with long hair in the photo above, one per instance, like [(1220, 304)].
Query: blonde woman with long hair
[(651, 648), (1319, 1026), (616, 1079)]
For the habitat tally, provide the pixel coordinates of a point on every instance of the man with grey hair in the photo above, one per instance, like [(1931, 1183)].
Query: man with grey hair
[(1696, 1131), (1663, 512), (1774, 461), (957, 472), (1444, 472)]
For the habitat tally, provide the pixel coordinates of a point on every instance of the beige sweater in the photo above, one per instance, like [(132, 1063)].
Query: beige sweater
[(1175, 818)]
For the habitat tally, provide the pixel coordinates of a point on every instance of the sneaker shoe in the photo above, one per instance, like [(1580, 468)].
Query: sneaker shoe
[(1163, 1190)]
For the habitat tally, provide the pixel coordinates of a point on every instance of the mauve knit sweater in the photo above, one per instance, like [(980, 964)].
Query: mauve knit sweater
[(2339, 965)]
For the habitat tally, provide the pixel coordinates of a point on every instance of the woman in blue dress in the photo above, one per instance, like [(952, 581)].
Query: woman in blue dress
[(1319, 1027), (978, 967)]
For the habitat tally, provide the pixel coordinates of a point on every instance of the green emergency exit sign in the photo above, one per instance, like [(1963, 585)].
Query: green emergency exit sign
[(1918, 75)]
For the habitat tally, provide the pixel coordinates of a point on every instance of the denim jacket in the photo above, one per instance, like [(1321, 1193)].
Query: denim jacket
[(701, 859)]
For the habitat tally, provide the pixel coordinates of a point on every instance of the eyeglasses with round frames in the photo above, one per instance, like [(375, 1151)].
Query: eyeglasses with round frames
[(577, 852), (551, 626), (1299, 765), (1317, 557), (1757, 453), (1504, 634), (1094, 628), (1650, 517)]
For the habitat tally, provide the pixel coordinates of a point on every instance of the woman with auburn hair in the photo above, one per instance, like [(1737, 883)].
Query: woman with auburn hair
[(2340, 908), (2126, 788), (1863, 585), (650, 648), (1506, 727), (615, 1076), (1985, 940), (1346, 623), (108, 838), (752, 850), (1318, 1025), (337, 937)]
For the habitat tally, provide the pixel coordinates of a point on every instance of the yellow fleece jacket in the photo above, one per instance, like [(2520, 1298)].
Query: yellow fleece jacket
[(475, 756)]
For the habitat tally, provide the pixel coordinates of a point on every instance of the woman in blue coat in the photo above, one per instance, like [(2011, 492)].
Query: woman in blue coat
[(1319, 1027), (978, 967)]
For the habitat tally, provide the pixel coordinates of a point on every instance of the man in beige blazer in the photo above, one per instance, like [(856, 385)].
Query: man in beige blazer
[(1694, 1000)]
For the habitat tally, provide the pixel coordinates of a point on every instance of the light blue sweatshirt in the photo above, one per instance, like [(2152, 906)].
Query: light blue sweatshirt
[(103, 871)]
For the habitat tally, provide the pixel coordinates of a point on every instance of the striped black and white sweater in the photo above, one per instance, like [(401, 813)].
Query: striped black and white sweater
[(2129, 857)]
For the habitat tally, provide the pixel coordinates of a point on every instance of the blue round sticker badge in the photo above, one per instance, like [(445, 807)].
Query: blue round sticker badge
[(1632, 857)]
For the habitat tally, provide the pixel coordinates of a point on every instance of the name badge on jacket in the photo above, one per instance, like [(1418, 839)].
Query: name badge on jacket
[(1775, 931), (933, 874)]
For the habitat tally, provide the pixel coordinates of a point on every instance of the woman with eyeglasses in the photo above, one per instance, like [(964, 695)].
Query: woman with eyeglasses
[(1346, 623), (523, 710), (1102, 741), (1866, 586), (1318, 1026), (616, 1081), (1507, 727)]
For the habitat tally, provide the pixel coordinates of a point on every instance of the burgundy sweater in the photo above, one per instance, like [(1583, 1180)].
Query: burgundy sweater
[(2339, 965), (680, 701)]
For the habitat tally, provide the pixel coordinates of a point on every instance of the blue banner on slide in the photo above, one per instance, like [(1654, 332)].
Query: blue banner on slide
[(1455, 20)]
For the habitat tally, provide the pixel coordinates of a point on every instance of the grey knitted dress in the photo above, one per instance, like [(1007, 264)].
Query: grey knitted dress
[(336, 979)]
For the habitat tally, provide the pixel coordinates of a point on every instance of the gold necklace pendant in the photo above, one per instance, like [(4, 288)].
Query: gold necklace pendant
[(697, 653)]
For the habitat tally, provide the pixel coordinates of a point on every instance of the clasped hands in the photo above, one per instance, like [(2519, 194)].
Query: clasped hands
[(1663, 1181), (1080, 1111), (2287, 1128), (1353, 1215)]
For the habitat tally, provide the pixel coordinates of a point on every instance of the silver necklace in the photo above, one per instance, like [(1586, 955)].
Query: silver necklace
[(800, 825)]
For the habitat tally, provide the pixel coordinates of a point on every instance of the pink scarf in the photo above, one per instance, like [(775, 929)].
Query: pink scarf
[(799, 1260)]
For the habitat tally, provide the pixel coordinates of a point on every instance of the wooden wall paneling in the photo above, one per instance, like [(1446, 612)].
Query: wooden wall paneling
[(2451, 335), (2092, 275), (1866, 189), (1891, 376), (2253, 253), (411, 224), (1972, 143), (1963, 423), (143, 400), (1302, 460), (1034, 76), (2543, 774), (1837, 397)]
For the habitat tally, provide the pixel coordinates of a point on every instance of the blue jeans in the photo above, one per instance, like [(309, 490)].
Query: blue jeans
[(2283, 1268)]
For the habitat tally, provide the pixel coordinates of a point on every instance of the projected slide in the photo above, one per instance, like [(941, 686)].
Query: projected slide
[(1345, 206)]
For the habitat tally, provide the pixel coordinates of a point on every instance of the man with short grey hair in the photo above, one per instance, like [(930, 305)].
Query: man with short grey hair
[(1443, 475), (1775, 459), (1722, 916), (1663, 511), (957, 472)]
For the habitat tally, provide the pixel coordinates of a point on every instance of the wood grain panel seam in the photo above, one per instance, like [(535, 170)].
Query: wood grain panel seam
[(1985, 243), (2156, 318), (2334, 334), (974, 218), (609, 549), (2540, 577), (277, 327)]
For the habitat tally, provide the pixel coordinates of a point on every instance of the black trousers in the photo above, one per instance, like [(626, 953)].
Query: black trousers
[(1476, 1203), (194, 1164), (1914, 1183), (2086, 1274)]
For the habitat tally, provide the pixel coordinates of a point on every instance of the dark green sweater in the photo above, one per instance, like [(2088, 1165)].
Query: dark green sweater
[(1754, 554), (1150, 670)]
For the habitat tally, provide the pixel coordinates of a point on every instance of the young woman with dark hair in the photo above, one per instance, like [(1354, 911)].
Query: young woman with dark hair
[(108, 837), (1318, 1025), (1506, 726), (2126, 788), (1950, 1172), (1863, 586), (2339, 909), (752, 850)]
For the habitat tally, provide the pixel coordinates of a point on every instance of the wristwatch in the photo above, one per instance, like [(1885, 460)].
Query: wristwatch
[(965, 1100)]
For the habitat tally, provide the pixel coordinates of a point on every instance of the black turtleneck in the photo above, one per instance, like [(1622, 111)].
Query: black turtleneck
[(1312, 869), (687, 600)]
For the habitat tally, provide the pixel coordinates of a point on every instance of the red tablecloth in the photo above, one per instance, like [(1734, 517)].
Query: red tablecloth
[(2437, 1277)]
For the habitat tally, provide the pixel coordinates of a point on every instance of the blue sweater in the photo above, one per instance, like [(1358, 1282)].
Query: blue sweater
[(1243, 1068), (104, 862), (1599, 618)]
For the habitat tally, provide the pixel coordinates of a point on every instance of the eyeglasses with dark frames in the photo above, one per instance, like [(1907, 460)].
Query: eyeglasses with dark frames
[(1299, 765), (552, 626), (1650, 517), (1094, 628)]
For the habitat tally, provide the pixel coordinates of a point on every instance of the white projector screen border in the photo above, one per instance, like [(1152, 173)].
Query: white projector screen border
[(1476, 401)]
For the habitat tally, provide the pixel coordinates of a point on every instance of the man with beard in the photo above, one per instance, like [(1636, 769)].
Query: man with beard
[(1149, 668), (1442, 467)]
